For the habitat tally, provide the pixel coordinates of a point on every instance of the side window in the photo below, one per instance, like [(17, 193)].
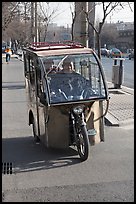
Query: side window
[(32, 71), (39, 80), (26, 65), (29, 68)]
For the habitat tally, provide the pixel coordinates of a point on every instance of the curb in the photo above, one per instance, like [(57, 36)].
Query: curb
[(111, 120)]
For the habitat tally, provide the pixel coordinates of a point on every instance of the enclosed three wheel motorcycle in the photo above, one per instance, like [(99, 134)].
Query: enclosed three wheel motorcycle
[(64, 81)]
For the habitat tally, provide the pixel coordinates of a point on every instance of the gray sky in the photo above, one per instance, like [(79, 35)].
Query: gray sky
[(64, 14)]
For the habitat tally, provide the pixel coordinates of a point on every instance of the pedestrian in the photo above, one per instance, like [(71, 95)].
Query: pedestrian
[(8, 54), (68, 66)]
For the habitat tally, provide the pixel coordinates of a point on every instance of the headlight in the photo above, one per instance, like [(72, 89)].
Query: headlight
[(78, 109)]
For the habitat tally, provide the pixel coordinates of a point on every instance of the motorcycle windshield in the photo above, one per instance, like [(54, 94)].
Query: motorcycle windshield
[(73, 78)]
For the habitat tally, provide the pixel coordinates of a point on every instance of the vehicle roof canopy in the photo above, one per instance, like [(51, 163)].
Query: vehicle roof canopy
[(57, 48)]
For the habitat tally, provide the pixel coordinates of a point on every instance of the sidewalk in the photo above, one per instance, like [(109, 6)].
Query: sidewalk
[(121, 105), (13, 56)]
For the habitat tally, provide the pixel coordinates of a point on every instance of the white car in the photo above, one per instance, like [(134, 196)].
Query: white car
[(105, 52)]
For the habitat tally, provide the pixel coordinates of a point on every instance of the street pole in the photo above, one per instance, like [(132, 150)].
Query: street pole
[(91, 32), (87, 28), (32, 22), (25, 19), (35, 21), (80, 23)]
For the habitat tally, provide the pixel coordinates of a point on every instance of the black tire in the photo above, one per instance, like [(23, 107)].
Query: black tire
[(83, 144), (36, 138)]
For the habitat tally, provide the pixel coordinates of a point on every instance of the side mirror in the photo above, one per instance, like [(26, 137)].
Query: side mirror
[(43, 99)]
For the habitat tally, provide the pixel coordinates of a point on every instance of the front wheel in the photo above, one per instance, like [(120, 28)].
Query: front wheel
[(83, 143)]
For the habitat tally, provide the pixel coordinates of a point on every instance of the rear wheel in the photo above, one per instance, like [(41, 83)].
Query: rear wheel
[(83, 143), (36, 138)]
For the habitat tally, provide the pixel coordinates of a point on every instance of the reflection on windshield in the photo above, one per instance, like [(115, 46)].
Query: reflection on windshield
[(67, 87), (73, 77)]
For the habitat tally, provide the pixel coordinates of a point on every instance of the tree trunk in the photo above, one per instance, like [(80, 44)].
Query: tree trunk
[(98, 45)]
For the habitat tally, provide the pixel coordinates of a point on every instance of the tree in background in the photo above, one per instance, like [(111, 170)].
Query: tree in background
[(107, 9), (9, 12), (46, 13), (15, 22), (19, 24), (109, 35)]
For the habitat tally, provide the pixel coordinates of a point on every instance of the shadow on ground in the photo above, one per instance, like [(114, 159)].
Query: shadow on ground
[(14, 150)]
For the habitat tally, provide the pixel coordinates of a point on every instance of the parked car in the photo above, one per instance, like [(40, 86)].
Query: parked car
[(114, 52), (131, 54), (105, 52)]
